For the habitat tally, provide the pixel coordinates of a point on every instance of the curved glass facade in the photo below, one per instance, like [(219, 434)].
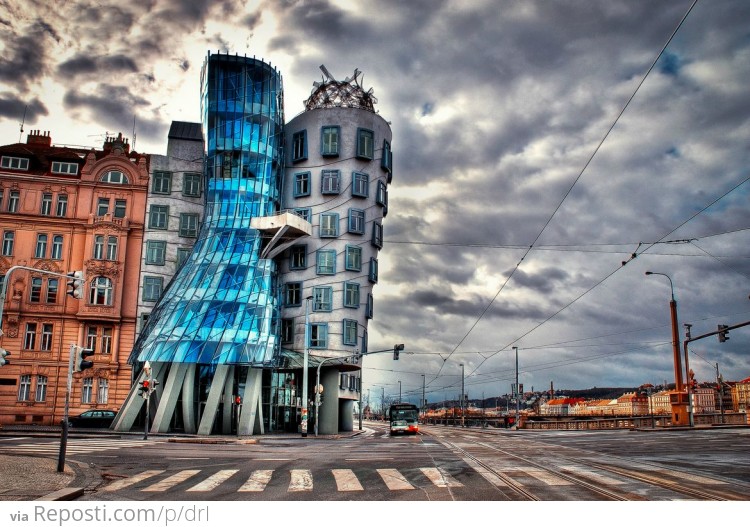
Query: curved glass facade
[(222, 306)]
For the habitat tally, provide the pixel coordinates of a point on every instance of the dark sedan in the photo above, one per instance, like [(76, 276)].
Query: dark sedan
[(93, 419)]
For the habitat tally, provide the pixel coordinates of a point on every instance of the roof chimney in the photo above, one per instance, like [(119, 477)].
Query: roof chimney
[(36, 137)]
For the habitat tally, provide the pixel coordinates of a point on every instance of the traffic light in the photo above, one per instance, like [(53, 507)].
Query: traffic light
[(75, 284), (723, 333), (396, 349), (80, 362), (3, 361), (145, 388)]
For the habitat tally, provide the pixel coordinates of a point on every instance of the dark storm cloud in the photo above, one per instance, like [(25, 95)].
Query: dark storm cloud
[(15, 108), (25, 56), (84, 64)]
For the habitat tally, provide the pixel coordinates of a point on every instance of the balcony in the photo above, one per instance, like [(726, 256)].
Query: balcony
[(282, 230)]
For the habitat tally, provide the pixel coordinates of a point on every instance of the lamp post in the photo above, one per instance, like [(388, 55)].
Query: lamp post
[(676, 346), (422, 404), (305, 366), (518, 395), (399, 391)]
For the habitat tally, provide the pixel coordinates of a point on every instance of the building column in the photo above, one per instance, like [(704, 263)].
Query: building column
[(214, 397), (170, 395)]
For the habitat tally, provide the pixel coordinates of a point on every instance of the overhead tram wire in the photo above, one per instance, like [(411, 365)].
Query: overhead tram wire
[(567, 193)]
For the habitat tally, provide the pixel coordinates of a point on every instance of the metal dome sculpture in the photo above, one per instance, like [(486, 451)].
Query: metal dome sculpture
[(348, 93)]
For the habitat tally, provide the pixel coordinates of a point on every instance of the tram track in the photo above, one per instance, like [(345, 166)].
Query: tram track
[(650, 476)]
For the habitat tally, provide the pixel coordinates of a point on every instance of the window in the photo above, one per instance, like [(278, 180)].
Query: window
[(98, 247), (301, 184), (377, 235), (91, 336), (46, 204), (115, 176), (152, 287), (29, 338), (87, 386), (350, 332), (369, 310), (182, 255), (13, 200), (304, 213), (356, 221), (319, 335), (112, 248), (233, 277), (191, 184), (287, 330), (60, 167), (293, 294), (299, 146), (155, 251), (24, 388), (353, 258), (102, 394), (162, 182), (41, 388), (326, 261), (1, 197), (381, 198), (16, 163), (121, 207), (372, 275), (41, 246), (365, 142), (158, 217), (330, 182), (52, 288), (8, 238), (102, 206), (36, 290), (360, 184), (322, 298), (351, 294), (101, 291), (386, 159), (329, 137), (188, 225), (57, 245), (329, 225), (46, 337), (106, 341), (61, 210), (298, 257)]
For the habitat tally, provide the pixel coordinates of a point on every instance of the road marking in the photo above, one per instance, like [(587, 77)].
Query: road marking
[(594, 476), (439, 478), (271, 459), (171, 481), (346, 481), (257, 481), (301, 481), (367, 458), (213, 481), (122, 483), (394, 480)]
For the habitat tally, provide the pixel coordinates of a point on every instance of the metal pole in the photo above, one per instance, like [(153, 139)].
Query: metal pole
[(518, 394), (399, 391), (64, 436), (305, 366), (721, 393), (423, 405), (361, 370), (461, 406)]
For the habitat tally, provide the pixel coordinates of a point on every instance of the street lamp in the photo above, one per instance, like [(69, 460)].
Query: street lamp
[(399, 391), (517, 390), (676, 347), (462, 396)]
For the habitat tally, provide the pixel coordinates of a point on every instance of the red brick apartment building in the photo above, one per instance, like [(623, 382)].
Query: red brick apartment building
[(63, 210)]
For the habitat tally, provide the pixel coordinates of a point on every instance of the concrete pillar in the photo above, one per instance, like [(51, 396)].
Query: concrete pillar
[(188, 400), (251, 414), (170, 395), (214, 397), (133, 403), (346, 415), (329, 410), (226, 417)]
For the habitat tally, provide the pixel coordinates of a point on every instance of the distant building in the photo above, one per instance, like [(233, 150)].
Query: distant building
[(741, 395), (63, 210)]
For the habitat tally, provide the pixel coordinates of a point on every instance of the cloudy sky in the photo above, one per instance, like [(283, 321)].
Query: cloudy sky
[(544, 159)]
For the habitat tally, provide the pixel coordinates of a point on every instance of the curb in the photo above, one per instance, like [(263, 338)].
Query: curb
[(64, 494)]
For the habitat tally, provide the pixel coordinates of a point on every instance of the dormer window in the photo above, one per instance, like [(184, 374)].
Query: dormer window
[(60, 167), (115, 176), (16, 163)]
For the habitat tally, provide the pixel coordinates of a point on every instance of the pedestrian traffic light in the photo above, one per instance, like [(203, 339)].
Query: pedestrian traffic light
[(80, 362), (145, 388), (75, 284), (723, 333), (3, 354), (396, 349)]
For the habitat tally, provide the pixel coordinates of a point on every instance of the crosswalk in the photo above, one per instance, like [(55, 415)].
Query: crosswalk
[(297, 480), (76, 446)]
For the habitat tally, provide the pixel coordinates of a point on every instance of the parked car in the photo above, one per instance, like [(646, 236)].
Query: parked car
[(92, 419)]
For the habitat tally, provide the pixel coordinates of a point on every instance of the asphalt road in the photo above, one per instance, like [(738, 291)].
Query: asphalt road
[(441, 464)]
